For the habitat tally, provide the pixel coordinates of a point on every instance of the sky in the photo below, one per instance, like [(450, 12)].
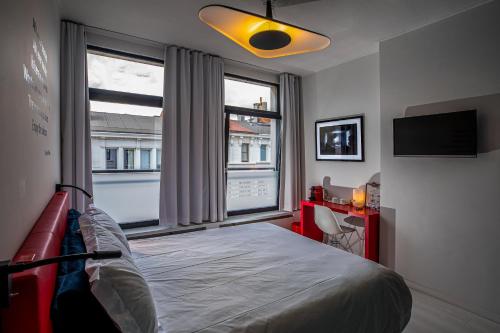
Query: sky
[(123, 75)]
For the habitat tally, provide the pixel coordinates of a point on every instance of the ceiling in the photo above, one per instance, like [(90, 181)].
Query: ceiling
[(355, 26)]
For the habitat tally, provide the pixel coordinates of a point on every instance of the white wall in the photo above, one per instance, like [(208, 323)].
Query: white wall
[(29, 167), (447, 226), (348, 89)]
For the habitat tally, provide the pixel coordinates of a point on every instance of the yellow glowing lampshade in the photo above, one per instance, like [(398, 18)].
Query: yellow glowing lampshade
[(358, 197), (272, 38)]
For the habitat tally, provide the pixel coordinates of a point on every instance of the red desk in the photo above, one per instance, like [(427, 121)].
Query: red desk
[(371, 217)]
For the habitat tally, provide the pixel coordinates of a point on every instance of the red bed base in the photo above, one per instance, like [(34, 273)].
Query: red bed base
[(29, 311)]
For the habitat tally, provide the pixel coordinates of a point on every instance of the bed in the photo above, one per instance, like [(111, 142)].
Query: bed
[(250, 278), (263, 278)]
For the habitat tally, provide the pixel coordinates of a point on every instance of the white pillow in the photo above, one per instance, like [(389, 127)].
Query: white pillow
[(117, 283), (107, 222)]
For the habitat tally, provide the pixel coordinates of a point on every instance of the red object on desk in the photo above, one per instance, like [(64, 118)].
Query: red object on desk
[(317, 193), (371, 217)]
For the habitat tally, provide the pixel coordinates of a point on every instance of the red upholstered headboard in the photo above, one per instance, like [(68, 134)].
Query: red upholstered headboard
[(29, 311)]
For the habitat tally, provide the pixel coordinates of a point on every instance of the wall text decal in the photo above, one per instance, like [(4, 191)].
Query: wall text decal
[(35, 78)]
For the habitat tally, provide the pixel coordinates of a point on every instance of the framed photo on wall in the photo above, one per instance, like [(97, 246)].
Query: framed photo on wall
[(340, 139)]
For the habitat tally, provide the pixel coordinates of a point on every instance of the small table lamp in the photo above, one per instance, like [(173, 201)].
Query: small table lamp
[(358, 197)]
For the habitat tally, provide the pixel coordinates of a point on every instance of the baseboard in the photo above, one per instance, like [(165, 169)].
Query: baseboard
[(487, 319)]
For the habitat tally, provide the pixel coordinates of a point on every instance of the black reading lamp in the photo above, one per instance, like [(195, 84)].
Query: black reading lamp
[(60, 186), (6, 268)]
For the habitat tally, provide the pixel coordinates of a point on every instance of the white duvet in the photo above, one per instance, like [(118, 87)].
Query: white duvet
[(263, 278)]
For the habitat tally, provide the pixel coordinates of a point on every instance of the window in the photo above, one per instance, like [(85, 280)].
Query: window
[(252, 137), (263, 153), (126, 101), (111, 158), (145, 159), (158, 159), (244, 152), (128, 159)]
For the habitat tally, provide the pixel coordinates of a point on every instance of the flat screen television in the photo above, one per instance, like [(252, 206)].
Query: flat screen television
[(446, 134)]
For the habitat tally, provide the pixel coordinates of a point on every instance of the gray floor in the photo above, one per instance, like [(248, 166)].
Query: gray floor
[(431, 315)]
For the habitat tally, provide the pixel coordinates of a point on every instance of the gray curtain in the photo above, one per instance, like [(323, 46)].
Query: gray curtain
[(192, 182), (291, 143), (75, 121)]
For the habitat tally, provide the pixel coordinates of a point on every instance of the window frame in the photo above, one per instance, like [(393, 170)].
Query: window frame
[(148, 151), (116, 157), (242, 111), (121, 97), (245, 152), (263, 150), (125, 158)]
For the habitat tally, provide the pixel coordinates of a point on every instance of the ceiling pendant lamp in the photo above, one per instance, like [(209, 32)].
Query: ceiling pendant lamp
[(263, 36)]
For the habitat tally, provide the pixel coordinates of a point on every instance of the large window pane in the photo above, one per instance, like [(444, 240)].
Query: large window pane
[(252, 149), (250, 95), (125, 140), (112, 73), (252, 176)]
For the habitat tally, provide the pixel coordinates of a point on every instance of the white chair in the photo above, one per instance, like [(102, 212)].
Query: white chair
[(334, 233), (358, 222)]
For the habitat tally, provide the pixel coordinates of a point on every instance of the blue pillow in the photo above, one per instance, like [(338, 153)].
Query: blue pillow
[(72, 244), (74, 307)]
